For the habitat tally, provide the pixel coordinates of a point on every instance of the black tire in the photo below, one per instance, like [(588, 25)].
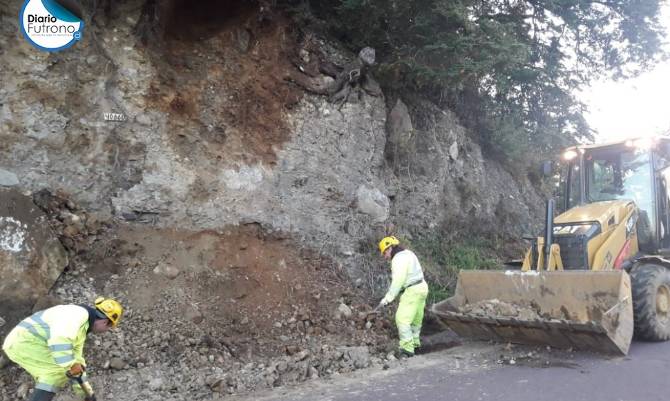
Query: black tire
[(651, 302)]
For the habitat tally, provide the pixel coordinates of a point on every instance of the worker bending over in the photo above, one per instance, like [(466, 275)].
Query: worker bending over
[(50, 344), (407, 279)]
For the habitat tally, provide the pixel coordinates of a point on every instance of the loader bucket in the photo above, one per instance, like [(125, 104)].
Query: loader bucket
[(584, 310)]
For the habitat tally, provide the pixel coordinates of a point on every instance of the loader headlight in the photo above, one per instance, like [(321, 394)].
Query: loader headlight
[(569, 155)]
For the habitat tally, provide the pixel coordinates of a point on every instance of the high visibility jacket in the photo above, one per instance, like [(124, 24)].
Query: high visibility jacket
[(59, 331), (405, 272)]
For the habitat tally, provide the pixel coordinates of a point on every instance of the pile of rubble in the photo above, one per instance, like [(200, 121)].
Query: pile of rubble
[(77, 229), (496, 308), (207, 313)]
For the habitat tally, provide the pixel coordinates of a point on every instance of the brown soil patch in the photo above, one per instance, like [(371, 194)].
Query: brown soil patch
[(239, 285), (220, 79), (233, 311)]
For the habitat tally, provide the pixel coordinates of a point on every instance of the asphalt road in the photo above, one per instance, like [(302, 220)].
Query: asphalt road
[(474, 372)]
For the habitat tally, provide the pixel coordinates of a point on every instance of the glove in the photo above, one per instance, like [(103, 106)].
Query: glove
[(91, 398), (76, 370)]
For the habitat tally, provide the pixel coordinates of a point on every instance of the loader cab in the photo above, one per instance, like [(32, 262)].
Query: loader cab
[(637, 170)]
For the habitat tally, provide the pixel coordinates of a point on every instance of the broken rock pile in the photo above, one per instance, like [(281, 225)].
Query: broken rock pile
[(207, 314), (496, 308)]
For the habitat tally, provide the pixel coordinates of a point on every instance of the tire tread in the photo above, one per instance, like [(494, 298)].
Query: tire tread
[(645, 280)]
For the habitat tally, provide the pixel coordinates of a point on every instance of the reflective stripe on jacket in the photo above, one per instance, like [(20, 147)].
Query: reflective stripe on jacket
[(405, 271), (60, 330)]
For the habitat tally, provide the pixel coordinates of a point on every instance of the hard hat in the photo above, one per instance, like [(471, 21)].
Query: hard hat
[(110, 308), (387, 242)]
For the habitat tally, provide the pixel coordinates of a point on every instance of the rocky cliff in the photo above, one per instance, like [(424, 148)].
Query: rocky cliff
[(197, 170), (213, 135)]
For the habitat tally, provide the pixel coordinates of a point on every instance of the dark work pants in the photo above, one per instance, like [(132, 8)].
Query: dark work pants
[(41, 395)]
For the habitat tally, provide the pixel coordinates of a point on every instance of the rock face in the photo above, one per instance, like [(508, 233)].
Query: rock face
[(214, 142), (8, 179), (31, 257), (446, 183), (204, 147), (373, 202)]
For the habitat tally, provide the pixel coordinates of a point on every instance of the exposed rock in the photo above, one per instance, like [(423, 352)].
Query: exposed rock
[(8, 179), (445, 181), (344, 311), (216, 383), (166, 270), (373, 202), (399, 128), (22, 391), (31, 257), (46, 302), (156, 384), (242, 40), (190, 163), (117, 363), (496, 308), (143, 119), (358, 356), (453, 151), (193, 314), (282, 366)]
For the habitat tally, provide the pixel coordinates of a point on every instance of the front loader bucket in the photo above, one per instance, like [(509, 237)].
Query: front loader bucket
[(585, 310)]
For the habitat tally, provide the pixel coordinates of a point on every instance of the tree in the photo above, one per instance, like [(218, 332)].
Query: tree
[(509, 68)]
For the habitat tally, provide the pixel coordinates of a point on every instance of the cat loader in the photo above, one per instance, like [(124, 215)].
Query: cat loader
[(600, 271)]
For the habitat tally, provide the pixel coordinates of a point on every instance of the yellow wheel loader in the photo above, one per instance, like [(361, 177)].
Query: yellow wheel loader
[(600, 271)]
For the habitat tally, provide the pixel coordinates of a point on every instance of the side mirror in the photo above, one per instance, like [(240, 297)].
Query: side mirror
[(664, 148), (547, 168)]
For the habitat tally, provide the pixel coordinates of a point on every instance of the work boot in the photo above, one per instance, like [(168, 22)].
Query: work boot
[(404, 354)]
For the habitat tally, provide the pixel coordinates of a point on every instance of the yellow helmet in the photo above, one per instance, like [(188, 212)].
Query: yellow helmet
[(387, 242), (110, 308)]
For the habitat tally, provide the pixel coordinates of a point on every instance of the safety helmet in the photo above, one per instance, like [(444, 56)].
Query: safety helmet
[(387, 242), (110, 308)]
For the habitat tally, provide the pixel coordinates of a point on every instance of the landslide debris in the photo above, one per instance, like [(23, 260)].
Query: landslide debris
[(495, 308), (207, 313)]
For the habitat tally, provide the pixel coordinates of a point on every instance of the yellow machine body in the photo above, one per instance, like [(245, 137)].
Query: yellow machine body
[(582, 309)]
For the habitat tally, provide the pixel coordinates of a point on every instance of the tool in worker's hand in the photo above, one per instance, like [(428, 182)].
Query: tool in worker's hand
[(85, 386), (379, 308)]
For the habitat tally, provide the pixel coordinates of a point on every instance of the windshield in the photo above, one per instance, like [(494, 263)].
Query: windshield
[(614, 175), (619, 175)]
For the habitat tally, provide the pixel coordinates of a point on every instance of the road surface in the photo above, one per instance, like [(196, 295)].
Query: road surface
[(479, 371)]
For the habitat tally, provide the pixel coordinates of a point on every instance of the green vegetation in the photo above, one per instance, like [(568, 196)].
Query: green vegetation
[(442, 262), (509, 69)]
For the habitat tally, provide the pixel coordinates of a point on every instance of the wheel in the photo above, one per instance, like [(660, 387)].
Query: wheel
[(651, 302)]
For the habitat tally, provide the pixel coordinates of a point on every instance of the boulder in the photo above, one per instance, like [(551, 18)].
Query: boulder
[(8, 179), (31, 257), (373, 202), (400, 132), (358, 356), (343, 310)]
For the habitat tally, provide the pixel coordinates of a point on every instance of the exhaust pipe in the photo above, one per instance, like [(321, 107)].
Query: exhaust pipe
[(548, 232)]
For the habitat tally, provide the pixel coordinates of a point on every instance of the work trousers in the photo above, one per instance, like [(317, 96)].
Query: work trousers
[(409, 316)]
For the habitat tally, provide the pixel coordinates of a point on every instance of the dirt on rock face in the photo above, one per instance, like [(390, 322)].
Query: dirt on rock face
[(219, 75), (209, 313)]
